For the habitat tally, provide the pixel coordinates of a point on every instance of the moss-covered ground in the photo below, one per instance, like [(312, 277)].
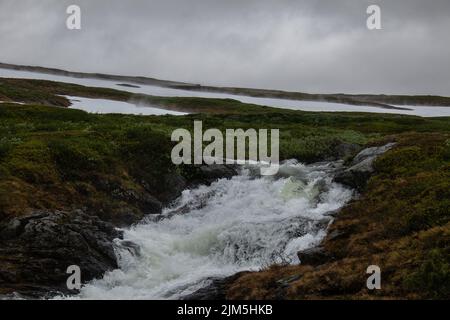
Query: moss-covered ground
[(52, 157)]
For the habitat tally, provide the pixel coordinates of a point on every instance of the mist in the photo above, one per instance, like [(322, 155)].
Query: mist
[(311, 46)]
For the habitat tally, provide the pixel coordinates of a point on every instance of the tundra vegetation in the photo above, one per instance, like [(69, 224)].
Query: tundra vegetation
[(55, 158)]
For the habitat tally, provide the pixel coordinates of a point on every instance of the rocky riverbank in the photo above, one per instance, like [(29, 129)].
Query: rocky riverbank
[(355, 175), (38, 246), (399, 223)]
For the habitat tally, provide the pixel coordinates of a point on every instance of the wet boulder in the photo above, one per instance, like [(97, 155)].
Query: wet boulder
[(211, 173), (361, 167), (37, 248), (314, 256)]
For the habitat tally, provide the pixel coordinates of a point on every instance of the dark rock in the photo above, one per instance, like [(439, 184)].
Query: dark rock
[(133, 202), (38, 247), (143, 200), (149, 204), (130, 246), (372, 152), (124, 216), (174, 185), (10, 229), (357, 175), (314, 256), (332, 213), (211, 173), (216, 290), (335, 234)]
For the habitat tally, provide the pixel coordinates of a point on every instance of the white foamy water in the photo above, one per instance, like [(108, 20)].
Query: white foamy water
[(110, 106), (276, 103), (11, 102), (244, 223)]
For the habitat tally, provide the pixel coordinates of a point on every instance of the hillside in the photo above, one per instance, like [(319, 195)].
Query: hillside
[(74, 172)]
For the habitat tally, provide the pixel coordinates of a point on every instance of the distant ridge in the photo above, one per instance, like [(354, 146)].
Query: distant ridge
[(376, 100), (73, 74)]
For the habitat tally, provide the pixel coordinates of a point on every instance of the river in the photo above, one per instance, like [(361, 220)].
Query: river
[(245, 223)]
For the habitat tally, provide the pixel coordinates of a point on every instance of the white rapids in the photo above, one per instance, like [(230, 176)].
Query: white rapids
[(244, 223)]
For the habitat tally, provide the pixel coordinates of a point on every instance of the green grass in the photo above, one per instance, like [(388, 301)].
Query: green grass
[(45, 147)]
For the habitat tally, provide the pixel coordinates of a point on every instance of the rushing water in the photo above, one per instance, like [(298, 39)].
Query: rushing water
[(423, 111), (243, 223)]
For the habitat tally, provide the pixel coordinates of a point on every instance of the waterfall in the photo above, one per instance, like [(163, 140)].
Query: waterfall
[(244, 223)]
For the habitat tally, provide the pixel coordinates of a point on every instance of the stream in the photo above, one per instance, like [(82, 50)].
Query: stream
[(245, 223)]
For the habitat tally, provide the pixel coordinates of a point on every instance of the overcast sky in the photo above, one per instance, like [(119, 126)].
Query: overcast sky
[(313, 46)]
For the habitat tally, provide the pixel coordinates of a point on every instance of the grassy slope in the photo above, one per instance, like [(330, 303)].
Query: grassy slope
[(55, 157), (46, 93), (401, 223)]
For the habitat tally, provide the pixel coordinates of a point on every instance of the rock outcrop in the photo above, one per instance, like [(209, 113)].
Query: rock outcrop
[(361, 167), (215, 290), (313, 256), (37, 249)]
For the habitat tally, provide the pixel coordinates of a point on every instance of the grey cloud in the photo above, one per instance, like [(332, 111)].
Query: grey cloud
[(314, 46)]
